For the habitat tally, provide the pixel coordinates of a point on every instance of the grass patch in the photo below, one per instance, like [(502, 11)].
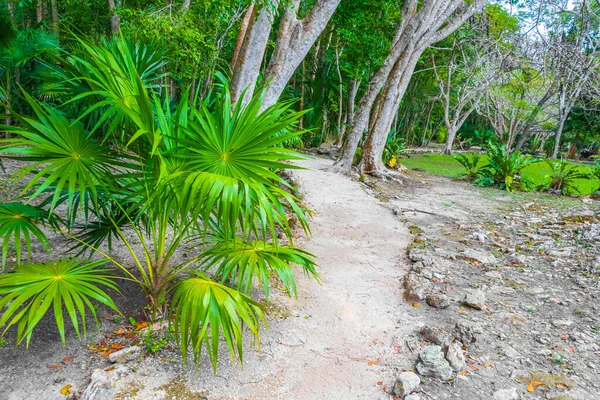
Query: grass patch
[(444, 165)]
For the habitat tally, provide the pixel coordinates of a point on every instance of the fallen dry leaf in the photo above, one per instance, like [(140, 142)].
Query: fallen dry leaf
[(116, 346), (379, 383), (473, 367), (463, 373), (416, 305), (141, 325), (55, 366), (572, 349), (561, 386), (66, 390), (67, 360), (532, 385), (488, 364), (374, 362)]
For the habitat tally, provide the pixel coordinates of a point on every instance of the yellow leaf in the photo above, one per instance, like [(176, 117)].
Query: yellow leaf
[(488, 364), (463, 373), (66, 390), (532, 385), (416, 304)]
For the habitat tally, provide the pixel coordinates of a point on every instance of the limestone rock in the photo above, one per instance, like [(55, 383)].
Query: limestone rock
[(125, 355), (467, 332), (506, 394), (475, 299), (456, 356), (406, 383), (102, 383), (438, 300), (439, 336), (412, 397), (434, 364)]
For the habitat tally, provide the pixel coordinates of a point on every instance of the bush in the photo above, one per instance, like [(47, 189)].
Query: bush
[(394, 149), (471, 164), (503, 168), (562, 177)]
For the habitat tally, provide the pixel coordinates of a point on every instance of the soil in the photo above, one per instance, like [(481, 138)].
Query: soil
[(351, 334)]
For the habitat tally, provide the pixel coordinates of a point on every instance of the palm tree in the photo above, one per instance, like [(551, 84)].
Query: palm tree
[(153, 177)]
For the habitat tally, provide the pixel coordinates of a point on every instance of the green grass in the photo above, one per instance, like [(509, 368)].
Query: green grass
[(439, 164)]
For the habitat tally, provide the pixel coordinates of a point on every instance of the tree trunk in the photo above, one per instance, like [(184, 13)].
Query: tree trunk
[(115, 19), (450, 136), (11, 12), (39, 11), (398, 82), (423, 23), (302, 94), (252, 50), (572, 154), (558, 137), (240, 40), (185, 6), (55, 20), (294, 40), (340, 97)]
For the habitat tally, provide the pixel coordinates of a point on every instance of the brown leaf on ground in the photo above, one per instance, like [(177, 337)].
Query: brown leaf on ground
[(54, 366), (67, 360)]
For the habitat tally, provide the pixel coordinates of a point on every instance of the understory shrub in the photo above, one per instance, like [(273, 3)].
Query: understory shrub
[(562, 177), (504, 168), (471, 165)]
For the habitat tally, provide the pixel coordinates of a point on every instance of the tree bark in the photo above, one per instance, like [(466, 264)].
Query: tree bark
[(559, 130), (252, 50), (294, 40), (39, 11), (11, 12), (55, 19), (240, 40), (423, 23), (185, 6), (115, 19), (450, 137), (572, 154)]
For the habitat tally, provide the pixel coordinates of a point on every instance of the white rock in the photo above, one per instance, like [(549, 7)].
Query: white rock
[(456, 356), (506, 394), (406, 383), (475, 299), (125, 355)]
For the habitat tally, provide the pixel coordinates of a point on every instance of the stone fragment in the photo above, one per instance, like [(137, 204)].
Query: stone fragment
[(440, 336), (433, 363), (102, 383), (438, 300), (416, 287), (479, 256), (125, 355), (590, 233), (559, 323), (456, 356), (467, 332), (417, 254), (475, 299), (506, 394), (406, 383), (412, 397)]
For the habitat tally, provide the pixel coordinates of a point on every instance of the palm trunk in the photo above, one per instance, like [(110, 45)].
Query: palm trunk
[(55, 19), (115, 19)]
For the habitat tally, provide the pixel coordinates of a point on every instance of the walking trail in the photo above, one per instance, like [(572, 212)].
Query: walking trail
[(344, 334)]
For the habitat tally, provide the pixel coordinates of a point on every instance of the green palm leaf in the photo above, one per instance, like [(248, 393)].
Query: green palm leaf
[(68, 159), (20, 223), (203, 310), (237, 260), (66, 284)]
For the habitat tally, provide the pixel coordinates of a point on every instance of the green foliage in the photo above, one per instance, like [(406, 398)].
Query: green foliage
[(394, 149), (503, 168), (563, 177), (595, 172), (67, 284), (471, 165), (203, 310), (160, 175), (19, 223)]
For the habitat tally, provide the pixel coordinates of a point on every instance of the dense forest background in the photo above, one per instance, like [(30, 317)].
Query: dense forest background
[(521, 73)]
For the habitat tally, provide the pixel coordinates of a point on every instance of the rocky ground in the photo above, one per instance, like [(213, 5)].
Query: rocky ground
[(431, 289)]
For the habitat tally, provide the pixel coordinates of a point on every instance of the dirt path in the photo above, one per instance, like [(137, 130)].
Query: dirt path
[(343, 335)]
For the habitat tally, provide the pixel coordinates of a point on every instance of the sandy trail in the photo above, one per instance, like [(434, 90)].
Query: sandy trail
[(344, 335)]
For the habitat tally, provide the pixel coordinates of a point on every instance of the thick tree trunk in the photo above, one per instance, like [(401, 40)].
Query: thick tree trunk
[(115, 19), (294, 40), (450, 137), (240, 40), (352, 91), (398, 82), (423, 23), (55, 19), (39, 11), (572, 154), (252, 51)]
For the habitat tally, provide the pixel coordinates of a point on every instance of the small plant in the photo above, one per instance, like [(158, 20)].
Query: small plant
[(562, 177), (154, 344), (557, 359), (595, 172), (504, 168), (394, 149), (471, 164), (117, 320), (2, 342), (132, 321)]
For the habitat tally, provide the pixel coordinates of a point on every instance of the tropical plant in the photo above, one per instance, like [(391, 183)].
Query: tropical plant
[(471, 164), (562, 177), (595, 172), (503, 168), (394, 149), (199, 174)]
